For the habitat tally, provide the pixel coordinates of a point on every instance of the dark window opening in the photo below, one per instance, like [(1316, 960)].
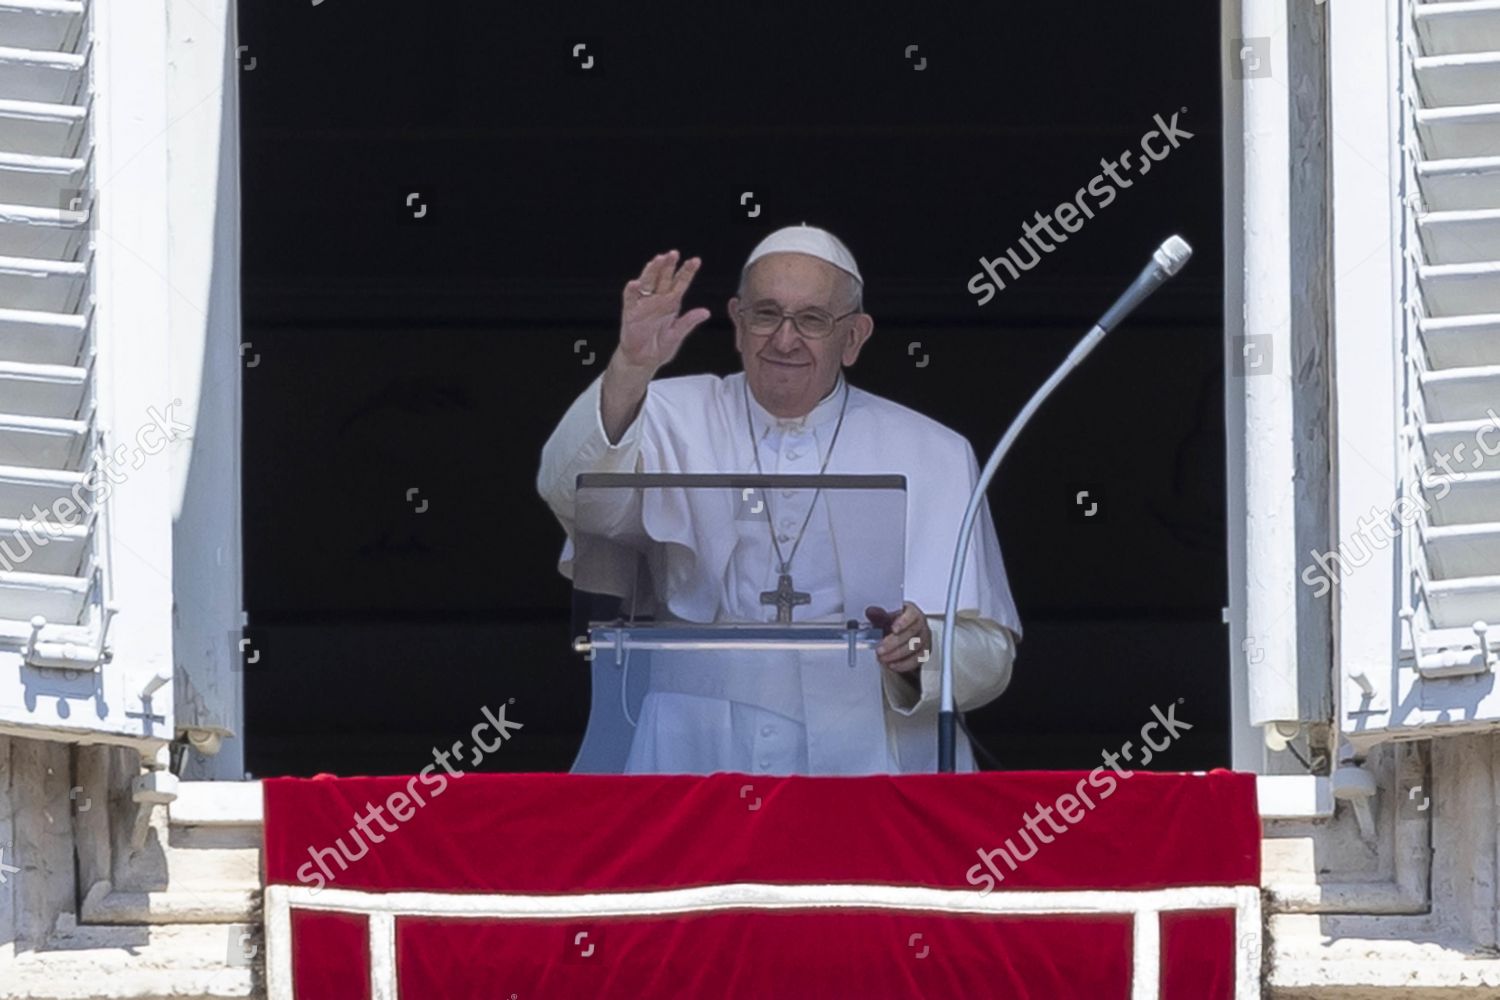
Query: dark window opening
[(438, 221)]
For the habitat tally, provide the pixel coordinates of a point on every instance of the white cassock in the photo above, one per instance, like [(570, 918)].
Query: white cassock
[(802, 713)]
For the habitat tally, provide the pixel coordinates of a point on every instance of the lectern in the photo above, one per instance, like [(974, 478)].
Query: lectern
[(751, 587)]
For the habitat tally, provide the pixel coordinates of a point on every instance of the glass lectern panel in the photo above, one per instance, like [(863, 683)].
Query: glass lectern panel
[(728, 586)]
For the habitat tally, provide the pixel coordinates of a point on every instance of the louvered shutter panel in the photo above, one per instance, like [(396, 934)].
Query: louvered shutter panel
[(48, 439), (1451, 340)]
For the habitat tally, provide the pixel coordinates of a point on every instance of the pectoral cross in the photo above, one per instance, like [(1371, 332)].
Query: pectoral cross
[(785, 598)]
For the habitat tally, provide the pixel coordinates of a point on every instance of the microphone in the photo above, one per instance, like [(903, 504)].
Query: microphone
[(1168, 259)]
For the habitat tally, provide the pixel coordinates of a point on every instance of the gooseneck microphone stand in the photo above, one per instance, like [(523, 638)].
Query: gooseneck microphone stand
[(1165, 262)]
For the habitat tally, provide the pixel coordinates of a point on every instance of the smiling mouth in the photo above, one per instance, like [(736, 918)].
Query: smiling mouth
[(785, 364)]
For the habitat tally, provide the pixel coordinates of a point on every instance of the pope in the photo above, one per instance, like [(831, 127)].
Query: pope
[(798, 322)]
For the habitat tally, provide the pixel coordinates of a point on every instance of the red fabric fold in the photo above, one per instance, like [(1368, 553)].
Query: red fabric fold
[(552, 833)]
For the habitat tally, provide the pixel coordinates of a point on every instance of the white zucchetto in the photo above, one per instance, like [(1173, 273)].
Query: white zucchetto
[(811, 240)]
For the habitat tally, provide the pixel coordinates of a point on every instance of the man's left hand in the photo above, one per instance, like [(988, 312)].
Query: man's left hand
[(897, 650)]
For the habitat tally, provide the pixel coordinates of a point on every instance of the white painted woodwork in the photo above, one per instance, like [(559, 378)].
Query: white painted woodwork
[(203, 204), (1416, 231), (1279, 619), (119, 304), (47, 413), (1450, 343), (86, 595), (1456, 27), (1247, 747)]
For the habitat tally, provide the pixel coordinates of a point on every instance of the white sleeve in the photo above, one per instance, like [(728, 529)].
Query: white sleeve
[(982, 662), (578, 445)]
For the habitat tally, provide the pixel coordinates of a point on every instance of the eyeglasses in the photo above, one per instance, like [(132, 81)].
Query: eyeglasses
[(814, 324)]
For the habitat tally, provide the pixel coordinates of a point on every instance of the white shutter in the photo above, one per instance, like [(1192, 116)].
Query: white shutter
[(51, 594), (1451, 352)]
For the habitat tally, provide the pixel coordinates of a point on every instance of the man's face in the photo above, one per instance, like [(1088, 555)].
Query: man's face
[(787, 372)]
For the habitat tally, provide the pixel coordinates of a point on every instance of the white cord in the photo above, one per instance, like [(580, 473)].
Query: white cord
[(625, 667), (625, 688)]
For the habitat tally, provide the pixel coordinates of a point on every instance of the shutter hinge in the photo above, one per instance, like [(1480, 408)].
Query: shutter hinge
[(53, 655), (1459, 660)]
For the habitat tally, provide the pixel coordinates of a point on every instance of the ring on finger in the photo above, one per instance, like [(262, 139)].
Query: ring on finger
[(647, 291)]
